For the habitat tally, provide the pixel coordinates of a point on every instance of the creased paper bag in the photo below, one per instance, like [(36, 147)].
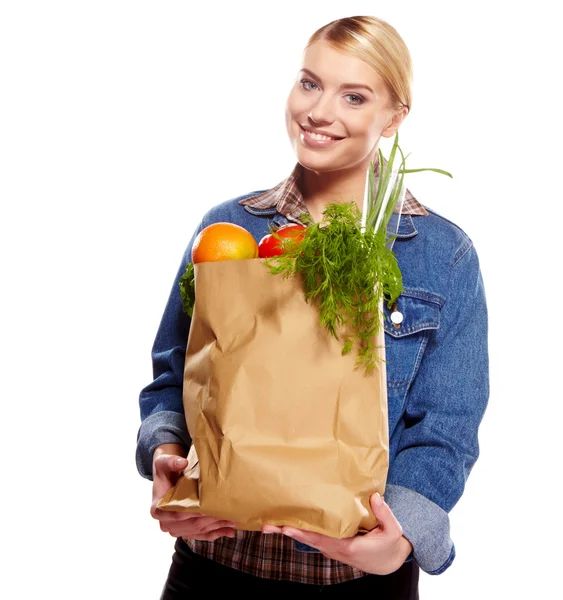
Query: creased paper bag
[(285, 430)]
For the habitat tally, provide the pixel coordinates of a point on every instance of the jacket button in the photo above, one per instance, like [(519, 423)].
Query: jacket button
[(396, 318)]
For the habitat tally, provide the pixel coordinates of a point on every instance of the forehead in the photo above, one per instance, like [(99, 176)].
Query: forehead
[(335, 67)]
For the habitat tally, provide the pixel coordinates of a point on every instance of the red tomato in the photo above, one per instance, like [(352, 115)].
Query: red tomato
[(270, 246)]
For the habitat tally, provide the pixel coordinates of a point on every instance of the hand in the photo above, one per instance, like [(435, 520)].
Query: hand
[(167, 469), (380, 551)]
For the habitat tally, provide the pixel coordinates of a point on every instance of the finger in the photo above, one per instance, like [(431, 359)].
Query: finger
[(195, 521), (271, 529), (387, 521), (172, 515), (207, 524), (179, 530), (337, 549), (191, 529), (167, 470), (169, 463), (195, 526), (306, 537), (211, 537), (225, 532)]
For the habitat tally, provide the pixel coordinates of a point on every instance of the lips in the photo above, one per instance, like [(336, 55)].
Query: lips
[(321, 132), (315, 143)]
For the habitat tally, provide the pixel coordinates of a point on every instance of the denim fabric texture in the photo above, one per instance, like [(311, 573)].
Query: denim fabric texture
[(437, 373)]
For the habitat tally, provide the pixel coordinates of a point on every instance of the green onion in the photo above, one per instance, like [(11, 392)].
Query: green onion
[(345, 263)]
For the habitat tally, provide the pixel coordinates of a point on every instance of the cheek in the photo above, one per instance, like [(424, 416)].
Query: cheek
[(364, 126), (289, 117), (295, 106), (296, 110)]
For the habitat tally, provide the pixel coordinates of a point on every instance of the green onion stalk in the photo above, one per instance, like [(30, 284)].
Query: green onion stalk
[(346, 263)]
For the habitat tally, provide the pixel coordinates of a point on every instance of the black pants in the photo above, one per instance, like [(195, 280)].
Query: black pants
[(191, 573)]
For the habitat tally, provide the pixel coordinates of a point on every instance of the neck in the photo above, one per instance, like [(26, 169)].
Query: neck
[(341, 185)]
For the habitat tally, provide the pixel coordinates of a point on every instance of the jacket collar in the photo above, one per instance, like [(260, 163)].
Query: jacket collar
[(284, 202), (286, 199), (406, 227)]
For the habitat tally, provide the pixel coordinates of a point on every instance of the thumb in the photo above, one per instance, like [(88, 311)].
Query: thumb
[(166, 464), (384, 515), (177, 463), (167, 469)]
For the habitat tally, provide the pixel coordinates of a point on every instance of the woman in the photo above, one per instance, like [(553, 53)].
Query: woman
[(354, 87)]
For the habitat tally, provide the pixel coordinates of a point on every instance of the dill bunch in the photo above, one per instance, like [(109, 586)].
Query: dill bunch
[(346, 273), (346, 262)]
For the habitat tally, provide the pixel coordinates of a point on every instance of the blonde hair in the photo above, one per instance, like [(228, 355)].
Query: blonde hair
[(377, 43)]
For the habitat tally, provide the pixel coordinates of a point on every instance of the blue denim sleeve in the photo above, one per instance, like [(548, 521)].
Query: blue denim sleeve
[(444, 409), (162, 410)]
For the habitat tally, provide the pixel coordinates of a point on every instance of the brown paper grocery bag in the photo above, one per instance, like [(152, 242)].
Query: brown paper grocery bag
[(285, 430)]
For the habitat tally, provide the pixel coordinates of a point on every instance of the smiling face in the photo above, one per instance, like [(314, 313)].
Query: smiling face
[(342, 96)]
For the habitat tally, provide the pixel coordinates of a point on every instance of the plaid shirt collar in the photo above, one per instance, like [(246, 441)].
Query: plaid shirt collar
[(288, 199)]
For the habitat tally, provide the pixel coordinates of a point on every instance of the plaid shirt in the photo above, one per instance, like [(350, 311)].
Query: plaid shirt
[(288, 199), (274, 556)]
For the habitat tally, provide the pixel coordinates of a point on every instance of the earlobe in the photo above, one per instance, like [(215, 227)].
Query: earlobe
[(390, 130), (396, 121)]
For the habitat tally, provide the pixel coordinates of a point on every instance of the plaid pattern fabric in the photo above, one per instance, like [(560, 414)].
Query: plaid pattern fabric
[(288, 199), (274, 556)]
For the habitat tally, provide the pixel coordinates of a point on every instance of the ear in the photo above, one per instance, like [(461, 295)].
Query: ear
[(398, 117)]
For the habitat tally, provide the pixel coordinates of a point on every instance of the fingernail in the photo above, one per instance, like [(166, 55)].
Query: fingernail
[(180, 462), (378, 499), (288, 533)]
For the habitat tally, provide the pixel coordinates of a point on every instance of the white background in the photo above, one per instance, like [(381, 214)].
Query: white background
[(121, 123)]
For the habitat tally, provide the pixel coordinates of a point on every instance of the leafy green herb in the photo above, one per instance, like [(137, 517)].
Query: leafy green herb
[(346, 272), (187, 290), (346, 264)]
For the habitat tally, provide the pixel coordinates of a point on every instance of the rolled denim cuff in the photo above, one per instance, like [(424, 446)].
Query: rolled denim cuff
[(163, 427), (426, 525)]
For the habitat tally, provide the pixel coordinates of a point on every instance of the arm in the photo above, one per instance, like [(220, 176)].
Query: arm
[(444, 408), (162, 410)]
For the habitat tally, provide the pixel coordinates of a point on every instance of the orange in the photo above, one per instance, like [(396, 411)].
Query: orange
[(224, 241)]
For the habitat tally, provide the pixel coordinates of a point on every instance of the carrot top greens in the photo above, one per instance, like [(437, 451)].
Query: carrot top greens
[(346, 273), (346, 264)]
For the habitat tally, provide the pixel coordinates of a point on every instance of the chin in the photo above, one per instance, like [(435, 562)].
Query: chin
[(317, 163)]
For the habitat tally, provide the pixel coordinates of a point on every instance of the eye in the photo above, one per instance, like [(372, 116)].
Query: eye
[(304, 83), (359, 99)]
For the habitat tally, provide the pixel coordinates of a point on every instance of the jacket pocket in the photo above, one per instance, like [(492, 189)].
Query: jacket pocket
[(408, 325)]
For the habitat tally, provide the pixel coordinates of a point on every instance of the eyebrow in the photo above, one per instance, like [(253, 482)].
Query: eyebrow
[(344, 85)]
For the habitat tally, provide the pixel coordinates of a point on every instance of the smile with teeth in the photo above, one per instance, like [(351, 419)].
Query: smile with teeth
[(318, 136)]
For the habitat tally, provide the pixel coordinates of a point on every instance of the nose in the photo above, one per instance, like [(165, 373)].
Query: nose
[(322, 111)]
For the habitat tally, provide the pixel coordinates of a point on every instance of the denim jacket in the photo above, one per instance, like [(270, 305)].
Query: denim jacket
[(437, 373)]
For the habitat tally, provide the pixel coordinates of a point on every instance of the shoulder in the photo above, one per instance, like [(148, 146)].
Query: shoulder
[(435, 250), (443, 236), (229, 210)]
